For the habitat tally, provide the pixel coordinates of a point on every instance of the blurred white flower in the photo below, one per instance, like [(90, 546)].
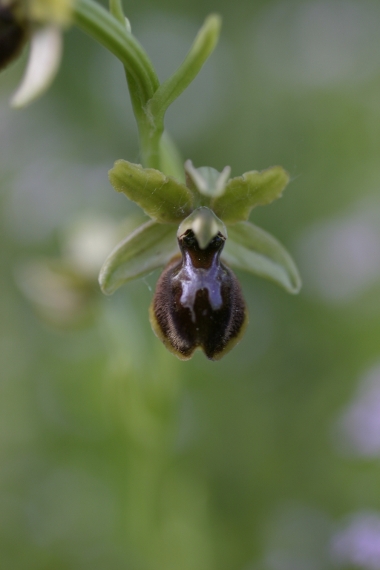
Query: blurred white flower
[(62, 289), (86, 242)]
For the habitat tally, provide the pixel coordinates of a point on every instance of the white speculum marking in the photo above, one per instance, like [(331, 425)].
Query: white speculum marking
[(194, 279)]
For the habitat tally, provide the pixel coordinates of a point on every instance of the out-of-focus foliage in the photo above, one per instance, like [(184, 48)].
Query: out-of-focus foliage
[(114, 454)]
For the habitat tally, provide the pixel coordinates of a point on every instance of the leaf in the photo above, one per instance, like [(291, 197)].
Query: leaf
[(150, 246), (252, 249), (200, 51), (161, 197), (248, 191)]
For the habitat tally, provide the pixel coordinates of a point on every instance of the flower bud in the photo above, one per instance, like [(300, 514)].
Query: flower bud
[(198, 301), (13, 32)]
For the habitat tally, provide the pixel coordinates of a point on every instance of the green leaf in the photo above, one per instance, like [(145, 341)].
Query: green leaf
[(201, 49), (150, 246), (161, 197), (248, 191), (252, 249)]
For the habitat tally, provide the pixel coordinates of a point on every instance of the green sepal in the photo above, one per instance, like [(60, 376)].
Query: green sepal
[(204, 224), (252, 249), (245, 192), (150, 246), (161, 197)]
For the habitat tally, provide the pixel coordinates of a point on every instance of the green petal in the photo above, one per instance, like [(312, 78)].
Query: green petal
[(206, 181), (248, 191), (161, 197), (254, 250), (148, 247)]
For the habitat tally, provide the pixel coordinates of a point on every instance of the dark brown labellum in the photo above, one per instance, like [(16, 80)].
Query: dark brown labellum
[(198, 301), (13, 34)]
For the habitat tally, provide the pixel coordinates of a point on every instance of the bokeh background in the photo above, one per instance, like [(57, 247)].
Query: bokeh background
[(114, 454)]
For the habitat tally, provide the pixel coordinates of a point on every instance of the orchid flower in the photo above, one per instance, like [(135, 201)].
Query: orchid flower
[(199, 230)]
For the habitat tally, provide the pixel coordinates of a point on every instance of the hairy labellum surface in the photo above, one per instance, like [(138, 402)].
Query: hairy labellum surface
[(13, 34), (198, 301)]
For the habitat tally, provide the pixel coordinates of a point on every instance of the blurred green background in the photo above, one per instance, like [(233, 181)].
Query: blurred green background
[(114, 454)]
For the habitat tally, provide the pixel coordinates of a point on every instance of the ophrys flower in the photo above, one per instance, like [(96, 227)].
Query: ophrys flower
[(198, 301)]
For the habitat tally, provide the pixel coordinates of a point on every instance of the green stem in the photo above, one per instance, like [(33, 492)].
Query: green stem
[(111, 31), (149, 99), (150, 138), (107, 30), (116, 10), (171, 159)]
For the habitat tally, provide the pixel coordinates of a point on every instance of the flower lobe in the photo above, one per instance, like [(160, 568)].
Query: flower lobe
[(198, 301)]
